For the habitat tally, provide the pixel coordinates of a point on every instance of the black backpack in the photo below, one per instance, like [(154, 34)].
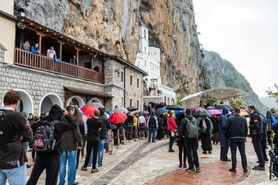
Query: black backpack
[(152, 122), (44, 138)]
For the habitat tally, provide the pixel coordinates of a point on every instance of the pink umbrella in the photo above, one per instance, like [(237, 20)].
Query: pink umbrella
[(196, 108), (215, 112)]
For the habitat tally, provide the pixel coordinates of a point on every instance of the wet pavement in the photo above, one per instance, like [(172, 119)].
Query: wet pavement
[(211, 174)]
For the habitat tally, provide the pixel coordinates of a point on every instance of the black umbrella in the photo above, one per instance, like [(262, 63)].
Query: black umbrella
[(130, 109), (174, 107), (210, 108), (201, 112)]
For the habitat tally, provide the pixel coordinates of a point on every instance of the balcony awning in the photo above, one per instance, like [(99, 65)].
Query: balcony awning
[(88, 92), (216, 93)]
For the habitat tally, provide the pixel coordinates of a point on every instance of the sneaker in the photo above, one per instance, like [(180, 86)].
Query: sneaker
[(100, 165), (180, 166), (245, 170), (191, 170), (204, 152), (184, 166), (75, 183), (261, 168), (198, 170), (84, 168), (232, 170), (94, 170), (209, 152)]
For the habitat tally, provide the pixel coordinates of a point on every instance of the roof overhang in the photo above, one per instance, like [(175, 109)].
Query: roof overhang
[(88, 92), (217, 94)]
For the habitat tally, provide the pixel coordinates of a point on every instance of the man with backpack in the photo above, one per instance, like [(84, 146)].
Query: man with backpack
[(152, 125), (70, 142), (47, 143), (189, 128), (12, 129)]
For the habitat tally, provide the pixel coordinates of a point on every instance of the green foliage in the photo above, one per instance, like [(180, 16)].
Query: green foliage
[(273, 94), (237, 102)]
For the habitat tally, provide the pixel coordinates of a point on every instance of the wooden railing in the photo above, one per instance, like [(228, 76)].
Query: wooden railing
[(44, 63)]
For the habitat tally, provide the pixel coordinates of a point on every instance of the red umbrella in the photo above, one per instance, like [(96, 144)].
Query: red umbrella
[(117, 118), (215, 112), (88, 110)]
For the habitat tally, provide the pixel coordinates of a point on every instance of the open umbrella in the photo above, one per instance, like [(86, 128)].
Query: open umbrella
[(201, 112), (196, 108), (179, 112), (117, 118), (130, 109), (215, 112), (96, 104), (88, 110), (174, 107), (222, 106), (210, 108), (122, 110), (160, 111)]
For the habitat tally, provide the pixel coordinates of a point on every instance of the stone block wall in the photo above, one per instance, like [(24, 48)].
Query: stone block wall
[(37, 83)]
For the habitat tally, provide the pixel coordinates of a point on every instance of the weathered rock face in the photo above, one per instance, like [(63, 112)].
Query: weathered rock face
[(218, 72), (112, 26)]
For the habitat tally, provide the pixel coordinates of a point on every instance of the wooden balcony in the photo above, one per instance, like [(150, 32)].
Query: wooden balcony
[(44, 63)]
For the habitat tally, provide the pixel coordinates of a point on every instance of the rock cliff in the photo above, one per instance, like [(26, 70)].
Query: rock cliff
[(218, 72), (112, 26)]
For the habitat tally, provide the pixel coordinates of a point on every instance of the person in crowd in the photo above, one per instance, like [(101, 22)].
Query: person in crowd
[(274, 118), (79, 120), (70, 141), (26, 141), (215, 131), (73, 60), (51, 52), (152, 125), (180, 142), (30, 119), (256, 131), (115, 132), (237, 133), (264, 136), (269, 128), (34, 127), (35, 49), (106, 126), (189, 128), (26, 45), (135, 126), (160, 127), (165, 126), (96, 68), (128, 126), (224, 142), (171, 128), (13, 128), (206, 128), (94, 125), (49, 161), (141, 126)]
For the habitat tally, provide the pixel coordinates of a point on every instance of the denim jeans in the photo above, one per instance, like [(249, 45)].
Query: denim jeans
[(101, 151), (15, 176), (240, 143), (69, 156), (151, 134)]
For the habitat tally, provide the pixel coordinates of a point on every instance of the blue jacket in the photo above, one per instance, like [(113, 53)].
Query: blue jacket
[(222, 129)]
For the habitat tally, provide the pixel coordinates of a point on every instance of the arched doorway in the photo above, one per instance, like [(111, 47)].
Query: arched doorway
[(75, 101), (95, 100), (48, 101), (172, 101), (26, 104)]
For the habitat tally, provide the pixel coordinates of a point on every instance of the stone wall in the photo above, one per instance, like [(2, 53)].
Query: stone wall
[(133, 92), (37, 83)]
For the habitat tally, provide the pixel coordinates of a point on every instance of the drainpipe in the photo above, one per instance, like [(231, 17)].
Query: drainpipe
[(124, 86)]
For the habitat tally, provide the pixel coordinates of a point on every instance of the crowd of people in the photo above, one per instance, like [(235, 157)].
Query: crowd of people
[(59, 137)]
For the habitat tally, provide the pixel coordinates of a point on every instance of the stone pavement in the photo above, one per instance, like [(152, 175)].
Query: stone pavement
[(139, 163)]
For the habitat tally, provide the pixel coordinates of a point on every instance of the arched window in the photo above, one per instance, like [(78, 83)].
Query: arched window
[(47, 101)]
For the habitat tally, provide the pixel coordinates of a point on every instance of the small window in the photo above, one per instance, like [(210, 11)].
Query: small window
[(122, 76), (130, 102), (130, 79), (137, 104), (138, 83)]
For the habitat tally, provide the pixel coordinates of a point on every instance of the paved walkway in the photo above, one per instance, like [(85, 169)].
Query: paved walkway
[(140, 163)]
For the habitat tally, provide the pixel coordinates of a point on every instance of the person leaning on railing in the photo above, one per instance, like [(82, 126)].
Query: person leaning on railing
[(35, 49)]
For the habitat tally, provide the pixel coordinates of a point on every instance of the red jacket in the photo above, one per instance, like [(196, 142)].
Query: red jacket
[(171, 124)]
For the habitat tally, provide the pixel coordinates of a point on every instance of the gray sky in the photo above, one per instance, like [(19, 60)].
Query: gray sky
[(245, 32)]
